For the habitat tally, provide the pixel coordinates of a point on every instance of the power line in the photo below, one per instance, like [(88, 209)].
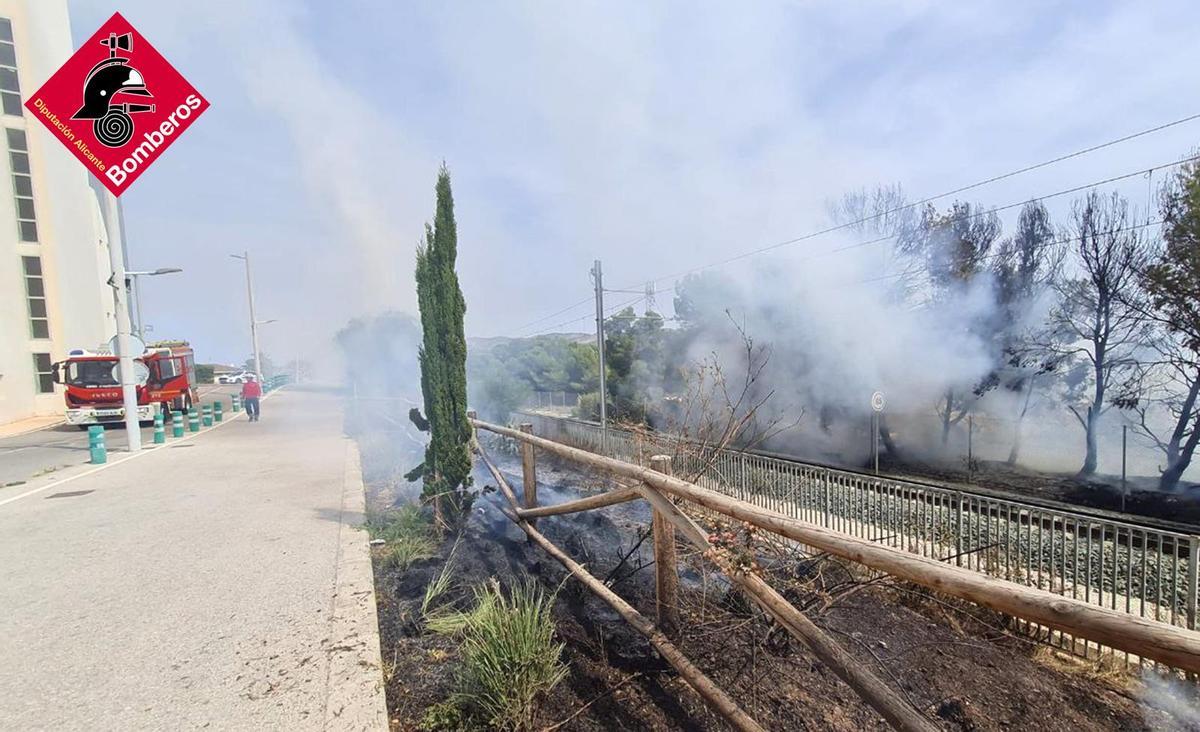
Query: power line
[(1076, 189), (985, 212), (544, 318), (1043, 245), (989, 255), (1006, 207), (961, 217), (897, 209), (589, 316)]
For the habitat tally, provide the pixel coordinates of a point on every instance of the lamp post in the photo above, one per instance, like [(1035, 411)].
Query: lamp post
[(137, 291), (245, 257)]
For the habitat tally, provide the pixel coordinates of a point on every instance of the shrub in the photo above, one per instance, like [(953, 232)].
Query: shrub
[(509, 657), (588, 406)]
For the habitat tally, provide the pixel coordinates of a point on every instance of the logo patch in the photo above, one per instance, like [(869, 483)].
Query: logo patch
[(117, 104)]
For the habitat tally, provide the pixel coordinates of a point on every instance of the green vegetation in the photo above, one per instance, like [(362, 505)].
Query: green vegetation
[(444, 716), (504, 376), (509, 657), (381, 354), (402, 552), (440, 584), (407, 535), (645, 362), (1172, 283), (443, 357)]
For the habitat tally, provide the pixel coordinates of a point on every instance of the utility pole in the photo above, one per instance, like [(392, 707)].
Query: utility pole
[(245, 257), (598, 279), (133, 430)]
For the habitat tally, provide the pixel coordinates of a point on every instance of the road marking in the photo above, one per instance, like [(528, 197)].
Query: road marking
[(145, 451)]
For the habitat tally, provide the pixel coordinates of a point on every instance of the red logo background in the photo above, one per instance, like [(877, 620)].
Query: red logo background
[(63, 95)]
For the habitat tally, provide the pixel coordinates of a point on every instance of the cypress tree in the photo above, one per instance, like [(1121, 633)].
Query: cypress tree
[(443, 359)]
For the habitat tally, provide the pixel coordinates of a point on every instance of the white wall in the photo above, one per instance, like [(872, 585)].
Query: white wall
[(72, 244)]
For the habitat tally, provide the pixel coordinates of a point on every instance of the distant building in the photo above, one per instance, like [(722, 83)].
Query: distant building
[(54, 256)]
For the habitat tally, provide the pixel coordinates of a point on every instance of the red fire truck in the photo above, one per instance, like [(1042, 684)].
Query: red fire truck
[(93, 390)]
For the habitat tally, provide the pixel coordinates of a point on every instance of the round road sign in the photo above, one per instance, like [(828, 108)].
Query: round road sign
[(877, 401), (141, 373)]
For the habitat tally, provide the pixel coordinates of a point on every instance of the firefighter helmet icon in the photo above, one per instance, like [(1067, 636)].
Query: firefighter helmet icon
[(111, 77)]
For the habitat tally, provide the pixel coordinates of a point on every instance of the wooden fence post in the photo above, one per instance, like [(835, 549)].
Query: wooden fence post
[(528, 471), (666, 565)]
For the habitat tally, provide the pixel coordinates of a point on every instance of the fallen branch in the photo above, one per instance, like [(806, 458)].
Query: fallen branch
[(890, 705), (1151, 640), (583, 708), (717, 699), (620, 495)]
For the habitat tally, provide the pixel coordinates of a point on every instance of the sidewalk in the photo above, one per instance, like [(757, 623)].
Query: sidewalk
[(221, 583), (30, 424)]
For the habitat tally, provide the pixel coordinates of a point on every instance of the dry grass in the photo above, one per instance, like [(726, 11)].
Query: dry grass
[(1108, 669)]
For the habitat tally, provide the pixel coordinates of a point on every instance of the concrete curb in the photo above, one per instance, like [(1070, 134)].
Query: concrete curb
[(354, 688)]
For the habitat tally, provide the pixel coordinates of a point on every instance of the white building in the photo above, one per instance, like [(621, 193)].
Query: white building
[(54, 258)]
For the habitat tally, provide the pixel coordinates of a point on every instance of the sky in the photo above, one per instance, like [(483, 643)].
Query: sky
[(657, 137)]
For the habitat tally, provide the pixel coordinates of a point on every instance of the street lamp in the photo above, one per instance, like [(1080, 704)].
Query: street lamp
[(137, 290), (245, 257)]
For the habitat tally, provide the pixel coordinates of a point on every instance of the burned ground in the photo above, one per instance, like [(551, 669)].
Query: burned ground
[(960, 665)]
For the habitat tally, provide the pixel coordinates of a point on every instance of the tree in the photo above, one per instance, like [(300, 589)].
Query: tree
[(1172, 283), (1099, 320), (635, 354), (1025, 266), (446, 471), (496, 391), (883, 211), (546, 363), (380, 355), (952, 249)]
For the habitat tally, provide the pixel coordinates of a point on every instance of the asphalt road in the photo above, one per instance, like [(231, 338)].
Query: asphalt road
[(28, 456)]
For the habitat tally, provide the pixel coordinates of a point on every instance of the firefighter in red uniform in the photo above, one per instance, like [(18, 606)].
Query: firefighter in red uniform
[(251, 393)]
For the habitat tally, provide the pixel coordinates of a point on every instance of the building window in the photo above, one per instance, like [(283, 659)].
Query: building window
[(35, 294), (10, 89), (18, 155), (43, 369)]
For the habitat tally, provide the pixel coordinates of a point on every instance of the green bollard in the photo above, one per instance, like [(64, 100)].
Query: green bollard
[(236, 401), (176, 424), (218, 415), (208, 415), (96, 444), (160, 434), (193, 420)]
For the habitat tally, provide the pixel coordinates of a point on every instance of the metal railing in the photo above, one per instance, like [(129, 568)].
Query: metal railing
[(1141, 570), (554, 399)]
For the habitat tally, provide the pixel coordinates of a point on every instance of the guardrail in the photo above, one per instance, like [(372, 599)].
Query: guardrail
[(1148, 572)]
